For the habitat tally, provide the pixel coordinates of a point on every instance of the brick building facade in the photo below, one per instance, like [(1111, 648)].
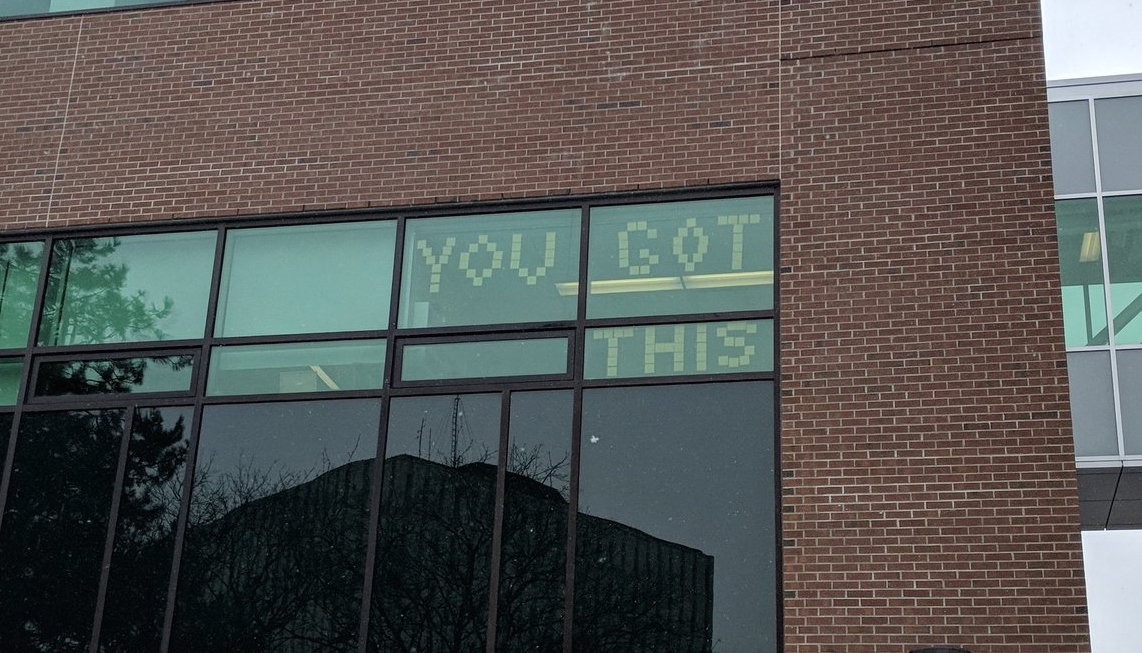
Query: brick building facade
[(927, 483)]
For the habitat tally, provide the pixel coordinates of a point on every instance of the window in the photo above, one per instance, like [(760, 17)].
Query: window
[(1099, 218), (23, 8), (529, 429), (1098, 192)]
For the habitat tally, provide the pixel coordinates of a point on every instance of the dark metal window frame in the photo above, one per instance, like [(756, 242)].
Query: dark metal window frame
[(395, 339)]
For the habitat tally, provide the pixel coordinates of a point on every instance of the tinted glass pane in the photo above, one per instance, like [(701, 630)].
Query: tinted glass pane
[(275, 544), (127, 289), (24, 7), (1130, 392), (297, 367), (1092, 404), (1080, 263), (1119, 142), (10, 370), (1124, 251), (19, 274), (533, 567), (672, 349), (32, 7), (76, 5), (55, 528), (118, 375), (490, 269), (675, 539), (1072, 156), (434, 550), (681, 257), (144, 533), (466, 360), (306, 279)]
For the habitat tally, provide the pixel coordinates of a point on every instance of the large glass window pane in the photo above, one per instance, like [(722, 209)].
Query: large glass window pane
[(681, 257), (306, 279), (32, 7), (11, 370), (115, 375), (1092, 404), (434, 550), (1072, 155), (144, 533), (19, 276), (24, 7), (674, 349), (275, 544), (676, 542), (1130, 393), (297, 367), (1119, 142), (490, 269), (533, 565), (1123, 217), (1080, 263), (128, 289), (55, 528), (488, 358)]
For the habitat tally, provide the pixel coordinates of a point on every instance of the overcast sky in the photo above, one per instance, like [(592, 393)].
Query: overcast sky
[(1092, 38)]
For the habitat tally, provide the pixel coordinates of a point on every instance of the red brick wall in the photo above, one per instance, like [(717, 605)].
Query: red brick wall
[(929, 494)]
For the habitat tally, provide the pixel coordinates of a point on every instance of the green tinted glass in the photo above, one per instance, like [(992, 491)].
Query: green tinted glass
[(681, 257), (1124, 256), (675, 349), (33, 7), (1080, 264), (306, 279), (19, 275), (115, 376), (490, 269), (128, 289), (10, 369), (297, 367), (471, 360)]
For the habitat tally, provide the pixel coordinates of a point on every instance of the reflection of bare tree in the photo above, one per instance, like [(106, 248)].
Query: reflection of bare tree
[(541, 466), (433, 557), (272, 563), (532, 575), (636, 592)]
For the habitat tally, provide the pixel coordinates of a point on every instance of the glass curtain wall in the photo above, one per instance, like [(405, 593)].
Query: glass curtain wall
[(546, 427), (1097, 161)]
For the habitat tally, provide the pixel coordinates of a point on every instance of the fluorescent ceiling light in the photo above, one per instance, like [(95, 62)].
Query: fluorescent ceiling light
[(649, 284), (729, 279), (1090, 250), (690, 282), (325, 378)]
